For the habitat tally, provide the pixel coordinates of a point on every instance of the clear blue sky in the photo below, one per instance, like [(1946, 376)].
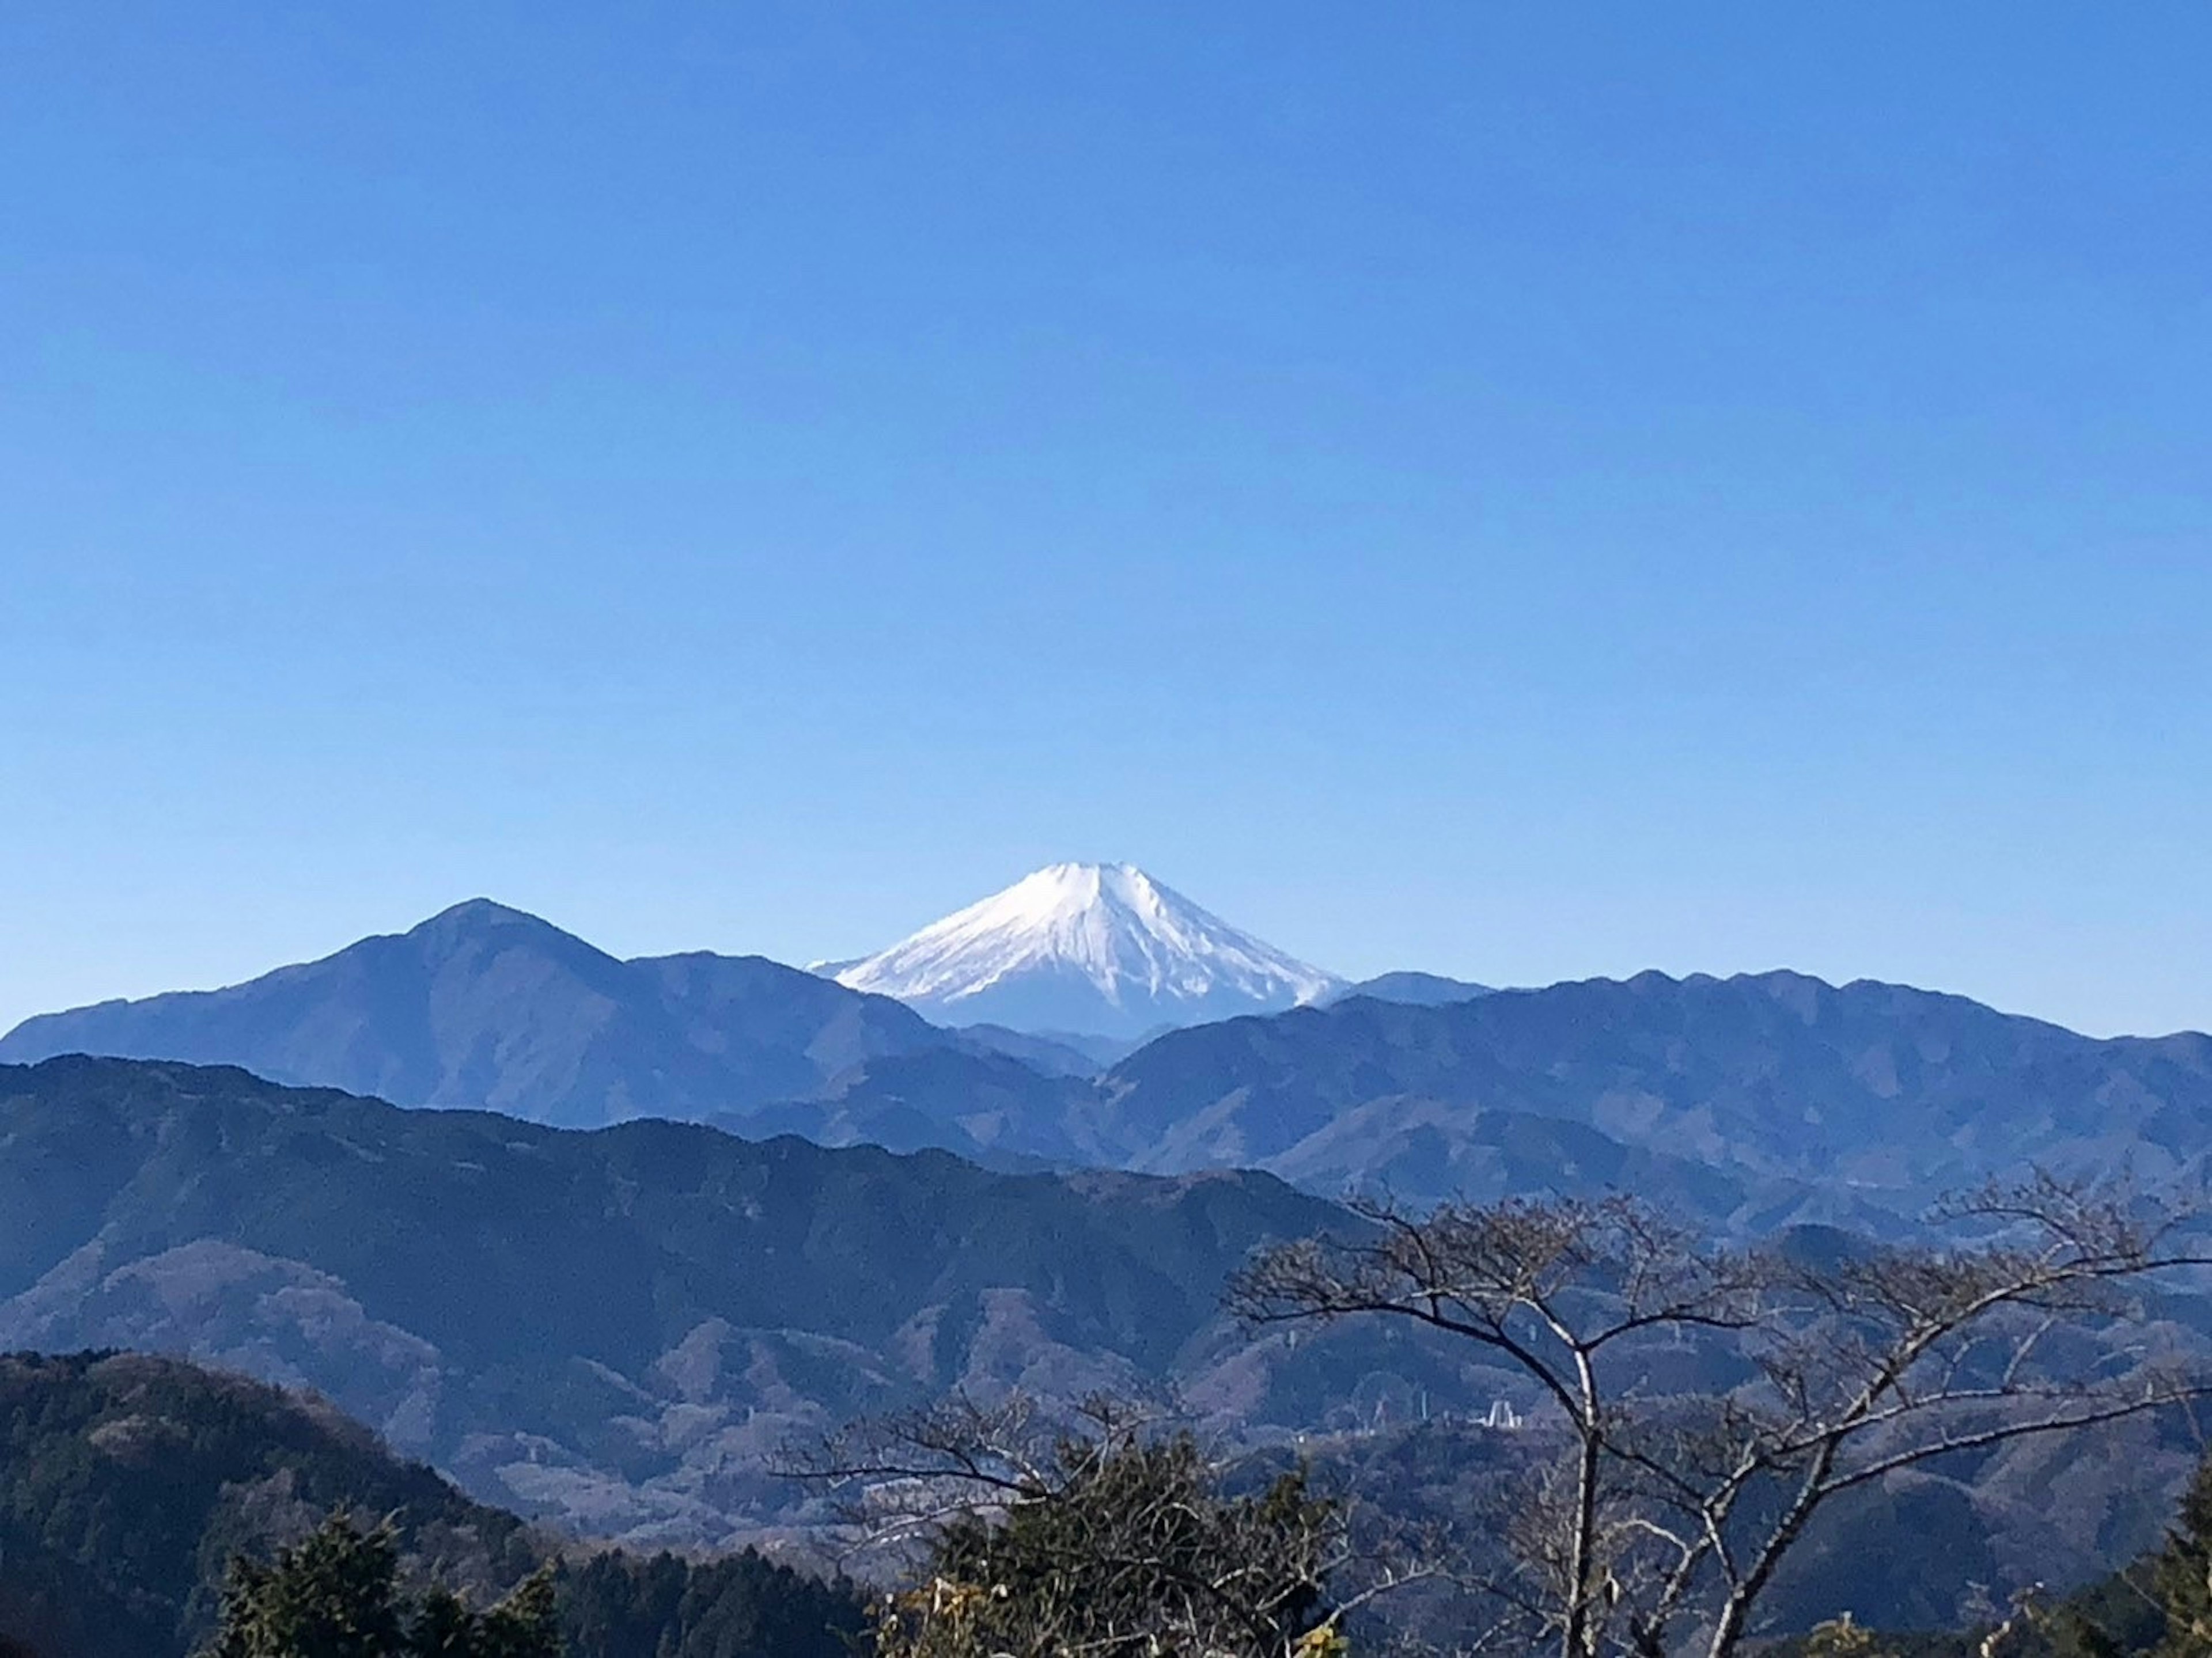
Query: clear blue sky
[(1519, 491)]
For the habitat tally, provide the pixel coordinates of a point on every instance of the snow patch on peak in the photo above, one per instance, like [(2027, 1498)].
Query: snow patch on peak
[(1100, 949)]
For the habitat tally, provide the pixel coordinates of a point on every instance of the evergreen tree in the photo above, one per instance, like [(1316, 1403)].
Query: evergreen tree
[(331, 1595), (336, 1595), (1116, 1545), (526, 1624), (2181, 1580)]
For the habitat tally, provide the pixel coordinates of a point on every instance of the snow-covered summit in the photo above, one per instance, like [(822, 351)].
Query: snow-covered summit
[(1094, 949)]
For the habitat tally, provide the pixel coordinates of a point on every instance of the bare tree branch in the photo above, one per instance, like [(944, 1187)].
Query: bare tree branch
[(1859, 1367)]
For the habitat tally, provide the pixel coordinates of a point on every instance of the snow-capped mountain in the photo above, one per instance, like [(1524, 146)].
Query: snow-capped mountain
[(1091, 949)]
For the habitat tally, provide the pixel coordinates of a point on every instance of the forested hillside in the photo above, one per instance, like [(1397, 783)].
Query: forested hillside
[(616, 1330), (615, 1326), (128, 1483)]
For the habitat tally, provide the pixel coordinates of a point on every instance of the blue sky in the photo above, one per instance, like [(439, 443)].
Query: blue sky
[(1523, 492)]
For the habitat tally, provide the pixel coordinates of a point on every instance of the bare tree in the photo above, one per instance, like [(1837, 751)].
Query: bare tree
[(1111, 1536), (1668, 1515)]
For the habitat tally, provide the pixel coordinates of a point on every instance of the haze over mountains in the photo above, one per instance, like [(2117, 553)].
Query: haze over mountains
[(482, 1005), (1746, 1102)]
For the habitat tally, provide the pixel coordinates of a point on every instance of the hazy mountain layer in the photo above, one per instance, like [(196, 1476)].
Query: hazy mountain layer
[(614, 1328), (485, 1006), (1747, 1102), (1885, 1092), (1421, 989)]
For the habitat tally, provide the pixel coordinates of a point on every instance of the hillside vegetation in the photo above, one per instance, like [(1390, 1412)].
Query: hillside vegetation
[(615, 1327), (128, 1483)]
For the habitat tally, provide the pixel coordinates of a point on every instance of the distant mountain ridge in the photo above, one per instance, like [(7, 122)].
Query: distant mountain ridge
[(1419, 989), (1885, 1091), (486, 1006), (1095, 949), (1748, 1102)]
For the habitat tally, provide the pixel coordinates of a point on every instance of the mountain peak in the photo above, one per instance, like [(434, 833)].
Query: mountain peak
[(1064, 889), (1094, 948), (476, 926), (472, 912)]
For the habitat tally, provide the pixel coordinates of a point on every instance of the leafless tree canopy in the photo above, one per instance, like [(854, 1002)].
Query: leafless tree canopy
[(1668, 1517)]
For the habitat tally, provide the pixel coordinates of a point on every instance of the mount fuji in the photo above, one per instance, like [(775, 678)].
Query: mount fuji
[(1092, 950)]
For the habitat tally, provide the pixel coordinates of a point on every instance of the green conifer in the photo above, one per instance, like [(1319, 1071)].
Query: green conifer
[(336, 1595), (2182, 1577)]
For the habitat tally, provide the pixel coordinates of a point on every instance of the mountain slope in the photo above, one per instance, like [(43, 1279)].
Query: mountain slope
[(1006, 1116), (127, 1482), (614, 1327), (1887, 1092), (1744, 1102), (1091, 949), (617, 1328), (1420, 989), (1050, 1053), (486, 1006), (985, 1106)]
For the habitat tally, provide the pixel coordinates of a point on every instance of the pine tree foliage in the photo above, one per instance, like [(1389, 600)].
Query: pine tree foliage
[(2181, 1580), (129, 1483), (335, 1595), (742, 1606)]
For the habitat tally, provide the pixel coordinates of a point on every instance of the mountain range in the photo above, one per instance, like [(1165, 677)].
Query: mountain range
[(640, 1223), (1882, 1090), (1746, 1102), (615, 1330)]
